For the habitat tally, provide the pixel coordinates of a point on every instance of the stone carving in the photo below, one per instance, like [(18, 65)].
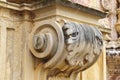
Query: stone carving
[(68, 49), (47, 42), (110, 7), (104, 22), (83, 43), (113, 48)]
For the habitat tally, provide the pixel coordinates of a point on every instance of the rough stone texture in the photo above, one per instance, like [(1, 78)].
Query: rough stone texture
[(113, 60), (113, 67)]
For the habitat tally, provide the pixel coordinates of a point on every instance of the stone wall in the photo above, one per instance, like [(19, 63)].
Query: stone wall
[(113, 61), (113, 67)]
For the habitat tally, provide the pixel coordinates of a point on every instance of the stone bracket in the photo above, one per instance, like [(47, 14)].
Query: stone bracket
[(64, 49)]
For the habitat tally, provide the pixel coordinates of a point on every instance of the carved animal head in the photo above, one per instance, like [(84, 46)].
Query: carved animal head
[(84, 43)]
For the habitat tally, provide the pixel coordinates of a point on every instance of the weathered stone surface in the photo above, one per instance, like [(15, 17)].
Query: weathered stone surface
[(16, 24), (113, 60)]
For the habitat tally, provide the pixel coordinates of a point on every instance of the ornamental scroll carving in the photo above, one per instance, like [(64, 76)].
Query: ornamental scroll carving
[(64, 50)]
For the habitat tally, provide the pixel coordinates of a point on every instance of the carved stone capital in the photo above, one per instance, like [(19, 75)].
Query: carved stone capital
[(65, 49)]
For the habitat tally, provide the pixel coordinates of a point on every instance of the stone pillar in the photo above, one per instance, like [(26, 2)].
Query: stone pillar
[(27, 57), (4, 24), (15, 56), (2, 49)]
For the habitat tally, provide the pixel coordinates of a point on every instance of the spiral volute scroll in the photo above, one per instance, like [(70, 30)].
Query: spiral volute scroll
[(70, 47), (47, 42)]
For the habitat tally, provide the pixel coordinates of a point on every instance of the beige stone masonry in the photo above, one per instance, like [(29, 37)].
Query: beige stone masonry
[(16, 24)]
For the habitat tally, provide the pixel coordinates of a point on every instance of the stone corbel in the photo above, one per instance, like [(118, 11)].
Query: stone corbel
[(64, 50)]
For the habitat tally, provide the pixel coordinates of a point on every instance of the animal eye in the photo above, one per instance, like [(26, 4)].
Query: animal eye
[(74, 34)]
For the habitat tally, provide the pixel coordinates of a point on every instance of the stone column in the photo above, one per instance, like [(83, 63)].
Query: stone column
[(4, 23), (2, 50), (27, 58)]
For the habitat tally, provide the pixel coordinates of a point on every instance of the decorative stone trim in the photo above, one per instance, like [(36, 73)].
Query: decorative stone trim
[(43, 3)]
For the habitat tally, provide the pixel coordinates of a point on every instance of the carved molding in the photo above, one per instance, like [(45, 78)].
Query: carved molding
[(104, 22), (64, 50), (113, 48)]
